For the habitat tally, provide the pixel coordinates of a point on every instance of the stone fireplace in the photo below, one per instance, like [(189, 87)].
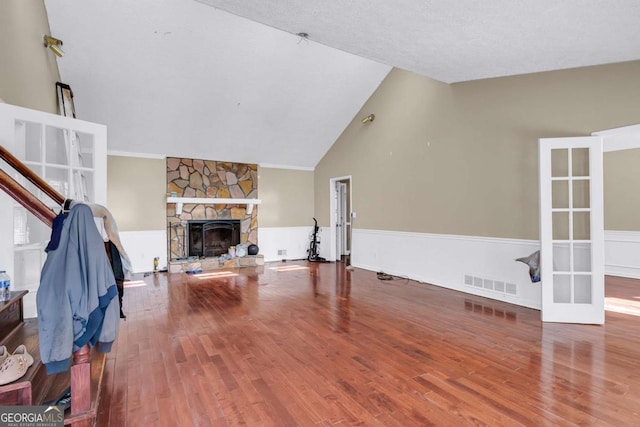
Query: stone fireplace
[(206, 179)]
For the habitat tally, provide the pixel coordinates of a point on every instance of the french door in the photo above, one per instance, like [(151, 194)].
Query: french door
[(572, 229), (341, 219)]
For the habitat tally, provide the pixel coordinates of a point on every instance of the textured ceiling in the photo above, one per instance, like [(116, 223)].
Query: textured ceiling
[(181, 78), (461, 40)]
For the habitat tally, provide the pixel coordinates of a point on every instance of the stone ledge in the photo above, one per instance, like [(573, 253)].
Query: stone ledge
[(208, 264)]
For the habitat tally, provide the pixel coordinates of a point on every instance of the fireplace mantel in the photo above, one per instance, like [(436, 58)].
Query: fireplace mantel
[(179, 201)]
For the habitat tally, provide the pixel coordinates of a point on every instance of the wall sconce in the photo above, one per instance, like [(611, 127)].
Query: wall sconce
[(369, 118), (54, 44)]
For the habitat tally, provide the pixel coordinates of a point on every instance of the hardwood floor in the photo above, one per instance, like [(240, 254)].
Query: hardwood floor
[(313, 344)]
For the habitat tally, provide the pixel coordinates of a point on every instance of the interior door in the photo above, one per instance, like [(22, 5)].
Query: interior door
[(341, 219), (571, 230)]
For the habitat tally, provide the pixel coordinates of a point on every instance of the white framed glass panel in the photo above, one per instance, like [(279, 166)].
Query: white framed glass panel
[(86, 150), (581, 226), (580, 193), (582, 289), (559, 162), (561, 257), (582, 257), (561, 289), (58, 178), (83, 185), (560, 194), (56, 147), (580, 162), (561, 226), (33, 142)]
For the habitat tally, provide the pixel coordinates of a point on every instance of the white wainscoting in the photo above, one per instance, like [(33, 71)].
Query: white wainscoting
[(442, 260), (143, 246), (445, 260), (622, 253), (293, 240)]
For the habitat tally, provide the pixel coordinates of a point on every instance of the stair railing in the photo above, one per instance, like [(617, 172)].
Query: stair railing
[(24, 170), (81, 365)]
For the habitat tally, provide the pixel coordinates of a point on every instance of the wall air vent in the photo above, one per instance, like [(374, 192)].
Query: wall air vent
[(491, 285)]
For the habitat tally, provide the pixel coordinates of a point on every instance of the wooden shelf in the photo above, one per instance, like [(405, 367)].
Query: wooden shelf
[(180, 201), (213, 201)]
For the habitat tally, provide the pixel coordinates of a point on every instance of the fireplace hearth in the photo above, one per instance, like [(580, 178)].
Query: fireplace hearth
[(212, 238)]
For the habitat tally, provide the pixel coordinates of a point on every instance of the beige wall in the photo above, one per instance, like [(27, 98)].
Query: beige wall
[(462, 158), (28, 71), (457, 159), (622, 190), (137, 192), (287, 197)]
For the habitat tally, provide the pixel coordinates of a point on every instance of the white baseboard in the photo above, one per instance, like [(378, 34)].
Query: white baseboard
[(143, 246)]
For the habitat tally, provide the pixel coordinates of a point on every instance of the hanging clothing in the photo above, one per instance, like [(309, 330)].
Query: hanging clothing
[(108, 229), (115, 259), (76, 299)]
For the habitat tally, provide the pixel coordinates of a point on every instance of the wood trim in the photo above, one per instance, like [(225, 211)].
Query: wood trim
[(26, 199), (31, 176), (16, 394)]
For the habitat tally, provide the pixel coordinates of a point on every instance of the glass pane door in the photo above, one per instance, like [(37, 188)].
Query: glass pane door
[(571, 230)]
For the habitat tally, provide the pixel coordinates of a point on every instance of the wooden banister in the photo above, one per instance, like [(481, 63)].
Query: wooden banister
[(24, 170), (81, 366), (26, 199)]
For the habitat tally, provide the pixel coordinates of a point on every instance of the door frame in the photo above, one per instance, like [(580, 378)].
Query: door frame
[(333, 255), (341, 207)]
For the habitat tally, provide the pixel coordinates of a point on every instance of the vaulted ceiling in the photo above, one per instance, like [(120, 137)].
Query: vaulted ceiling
[(234, 80)]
